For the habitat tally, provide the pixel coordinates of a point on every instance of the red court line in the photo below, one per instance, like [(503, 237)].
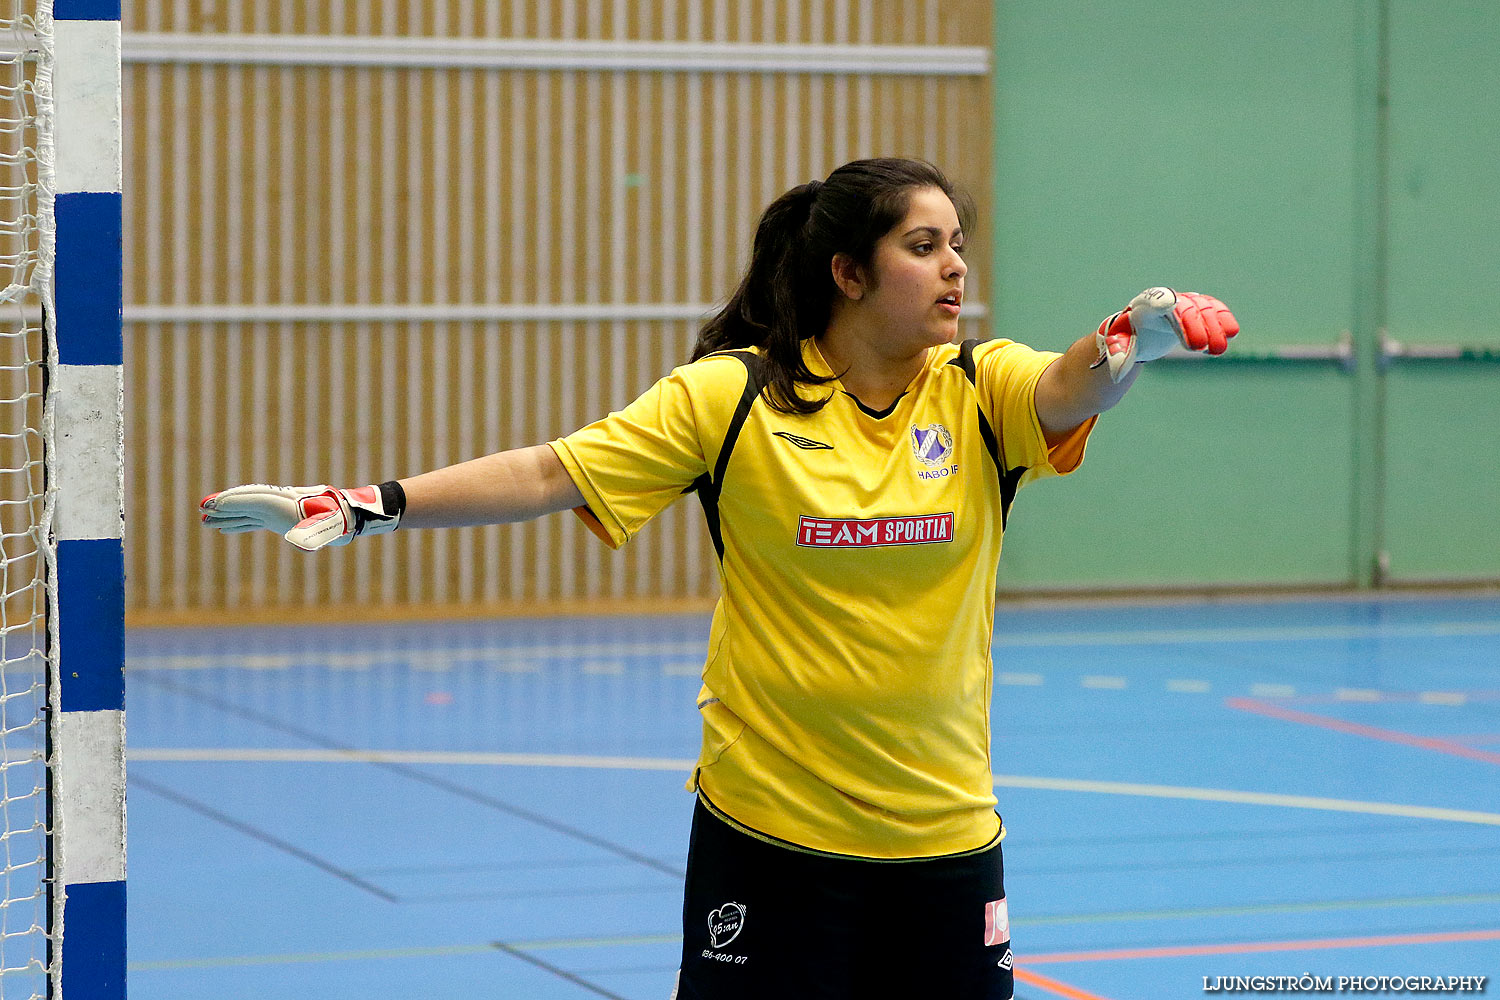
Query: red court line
[(1251, 947), (1356, 729), (1053, 986)]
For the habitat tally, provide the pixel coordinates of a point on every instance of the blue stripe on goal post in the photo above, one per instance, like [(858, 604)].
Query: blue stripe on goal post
[(89, 283), (85, 393), (86, 10)]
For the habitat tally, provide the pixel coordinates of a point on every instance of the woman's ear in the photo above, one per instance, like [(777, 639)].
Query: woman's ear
[(849, 276)]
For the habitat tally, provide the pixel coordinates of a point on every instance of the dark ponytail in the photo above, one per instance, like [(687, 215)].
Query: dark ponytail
[(787, 294)]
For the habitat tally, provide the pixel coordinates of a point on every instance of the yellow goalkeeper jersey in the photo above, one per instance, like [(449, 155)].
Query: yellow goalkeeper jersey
[(846, 692)]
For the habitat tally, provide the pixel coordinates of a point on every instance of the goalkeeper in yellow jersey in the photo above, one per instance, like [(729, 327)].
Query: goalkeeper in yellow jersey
[(856, 468)]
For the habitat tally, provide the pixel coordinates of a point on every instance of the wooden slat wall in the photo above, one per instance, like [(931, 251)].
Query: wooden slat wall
[(389, 186)]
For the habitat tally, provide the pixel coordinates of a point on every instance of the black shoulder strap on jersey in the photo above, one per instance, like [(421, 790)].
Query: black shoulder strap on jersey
[(1010, 479), (709, 485)]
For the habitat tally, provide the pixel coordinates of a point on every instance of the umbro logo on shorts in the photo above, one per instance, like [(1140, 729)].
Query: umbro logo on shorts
[(807, 444)]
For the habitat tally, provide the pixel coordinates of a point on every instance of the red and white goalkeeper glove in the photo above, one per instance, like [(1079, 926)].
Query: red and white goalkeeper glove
[(309, 517), (1158, 320)]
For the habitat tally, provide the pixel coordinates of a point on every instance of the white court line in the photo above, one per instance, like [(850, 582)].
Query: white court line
[(1103, 683), (696, 647), (315, 756), (604, 668), (1189, 687), (1024, 680), (1248, 798), (397, 657), (1152, 637)]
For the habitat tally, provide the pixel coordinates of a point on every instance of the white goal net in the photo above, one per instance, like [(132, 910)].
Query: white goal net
[(25, 513)]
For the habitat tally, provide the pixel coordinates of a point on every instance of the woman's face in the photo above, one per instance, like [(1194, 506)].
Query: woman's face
[(917, 283)]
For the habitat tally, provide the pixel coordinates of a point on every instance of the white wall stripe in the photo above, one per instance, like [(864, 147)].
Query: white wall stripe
[(208, 378), (569, 53), (864, 115), (227, 314), (363, 406), (153, 270), (260, 394), (435, 111), (288, 367), (467, 355), (390, 335), (417, 205), (336, 257), (177, 458), (520, 116)]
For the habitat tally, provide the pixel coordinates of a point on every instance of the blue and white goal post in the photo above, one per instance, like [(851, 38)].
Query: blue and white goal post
[(85, 392)]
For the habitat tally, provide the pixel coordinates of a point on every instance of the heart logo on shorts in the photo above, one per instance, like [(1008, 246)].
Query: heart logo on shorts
[(725, 924)]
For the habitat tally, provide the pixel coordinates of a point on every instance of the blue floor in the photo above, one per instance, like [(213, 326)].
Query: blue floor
[(1192, 790)]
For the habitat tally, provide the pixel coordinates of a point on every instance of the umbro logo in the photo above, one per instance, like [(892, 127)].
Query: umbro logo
[(802, 442)]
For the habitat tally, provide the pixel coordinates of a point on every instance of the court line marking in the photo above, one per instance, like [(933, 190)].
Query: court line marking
[(371, 954), (695, 647), (1456, 698), (1359, 729), (557, 971), (390, 757), (1052, 985), (269, 839), (632, 940), (1262, 909), (1249, 798), (334, 756), (423, 777), (1257, 947)]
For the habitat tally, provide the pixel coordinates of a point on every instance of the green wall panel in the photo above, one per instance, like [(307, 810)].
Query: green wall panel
[(1442, 420), (1442, 472), (1211, 474), (1444, 176), (1210, 147), (1207, 146)]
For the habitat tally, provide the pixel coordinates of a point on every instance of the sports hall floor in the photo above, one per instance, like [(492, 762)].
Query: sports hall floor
[(496, 809)]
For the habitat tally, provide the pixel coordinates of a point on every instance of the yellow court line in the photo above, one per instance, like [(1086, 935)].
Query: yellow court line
[(317, 756)]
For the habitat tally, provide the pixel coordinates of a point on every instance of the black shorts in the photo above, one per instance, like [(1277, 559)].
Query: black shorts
[(761, 921)]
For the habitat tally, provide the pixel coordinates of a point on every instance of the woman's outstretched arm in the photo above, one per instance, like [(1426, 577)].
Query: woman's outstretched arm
[(515, 485)]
